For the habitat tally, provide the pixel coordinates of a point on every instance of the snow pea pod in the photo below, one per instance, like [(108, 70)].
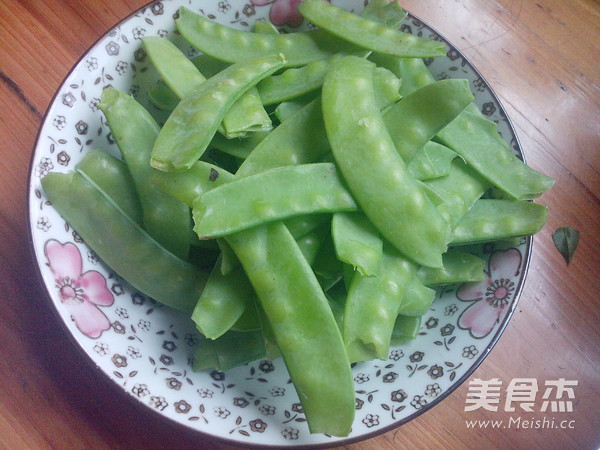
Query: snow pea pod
[(357, 242), (395, 203), (110, 174), (239, 147), (275, 194), (134, 130), (387, 87), (431, 161), (225, 352), (459, 190), (287, 109), (222, 302), (367, 33), (202, 177), (140, 260), (459, 267), (412, 71), (190, 128), (303, 324), (228, 299), (372, 307), (161, 96), (183, 76), (476, 139), (175, 69), (417, 298), (294, 82), (289, 143), (491, 220), (416, 119), (231, 45), (406, 328), (247, 115), (298, 81), (265, 27), (187, 186), (385, 12)]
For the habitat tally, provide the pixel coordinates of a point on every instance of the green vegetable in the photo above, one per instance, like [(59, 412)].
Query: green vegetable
[(275, 194), (406, 328), (368, 33), (459, 267), (225, 352), (134, 130), (111, 175), (491, 220), (190, 128), (476, 139), (459, 190), (357, 242), (372, 307), (105, 228), (418, 117), (231, 45), (385, 12), (417, 298), (303, 325), (183, 77), (334, 225), (222, 302), (432, 161), (363, 150)]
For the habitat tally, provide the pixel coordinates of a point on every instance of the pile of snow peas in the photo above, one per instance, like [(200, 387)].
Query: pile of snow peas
[(304, 196)]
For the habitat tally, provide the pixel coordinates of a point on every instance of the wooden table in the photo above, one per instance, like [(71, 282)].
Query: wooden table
[(540, 56)]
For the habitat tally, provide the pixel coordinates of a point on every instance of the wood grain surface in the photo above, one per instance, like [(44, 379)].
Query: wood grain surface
[(542, 59)]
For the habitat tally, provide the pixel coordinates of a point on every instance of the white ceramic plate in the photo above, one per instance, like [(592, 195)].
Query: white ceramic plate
[(146, 349)]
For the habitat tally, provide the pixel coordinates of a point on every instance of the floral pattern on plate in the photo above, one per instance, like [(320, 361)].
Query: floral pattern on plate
[(147, 349)]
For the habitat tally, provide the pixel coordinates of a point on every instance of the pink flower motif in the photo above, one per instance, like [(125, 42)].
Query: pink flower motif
[(80, 293), (283, 12), (492, 296)]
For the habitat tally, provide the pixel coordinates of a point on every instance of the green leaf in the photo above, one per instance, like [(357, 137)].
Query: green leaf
[(566, 240)]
